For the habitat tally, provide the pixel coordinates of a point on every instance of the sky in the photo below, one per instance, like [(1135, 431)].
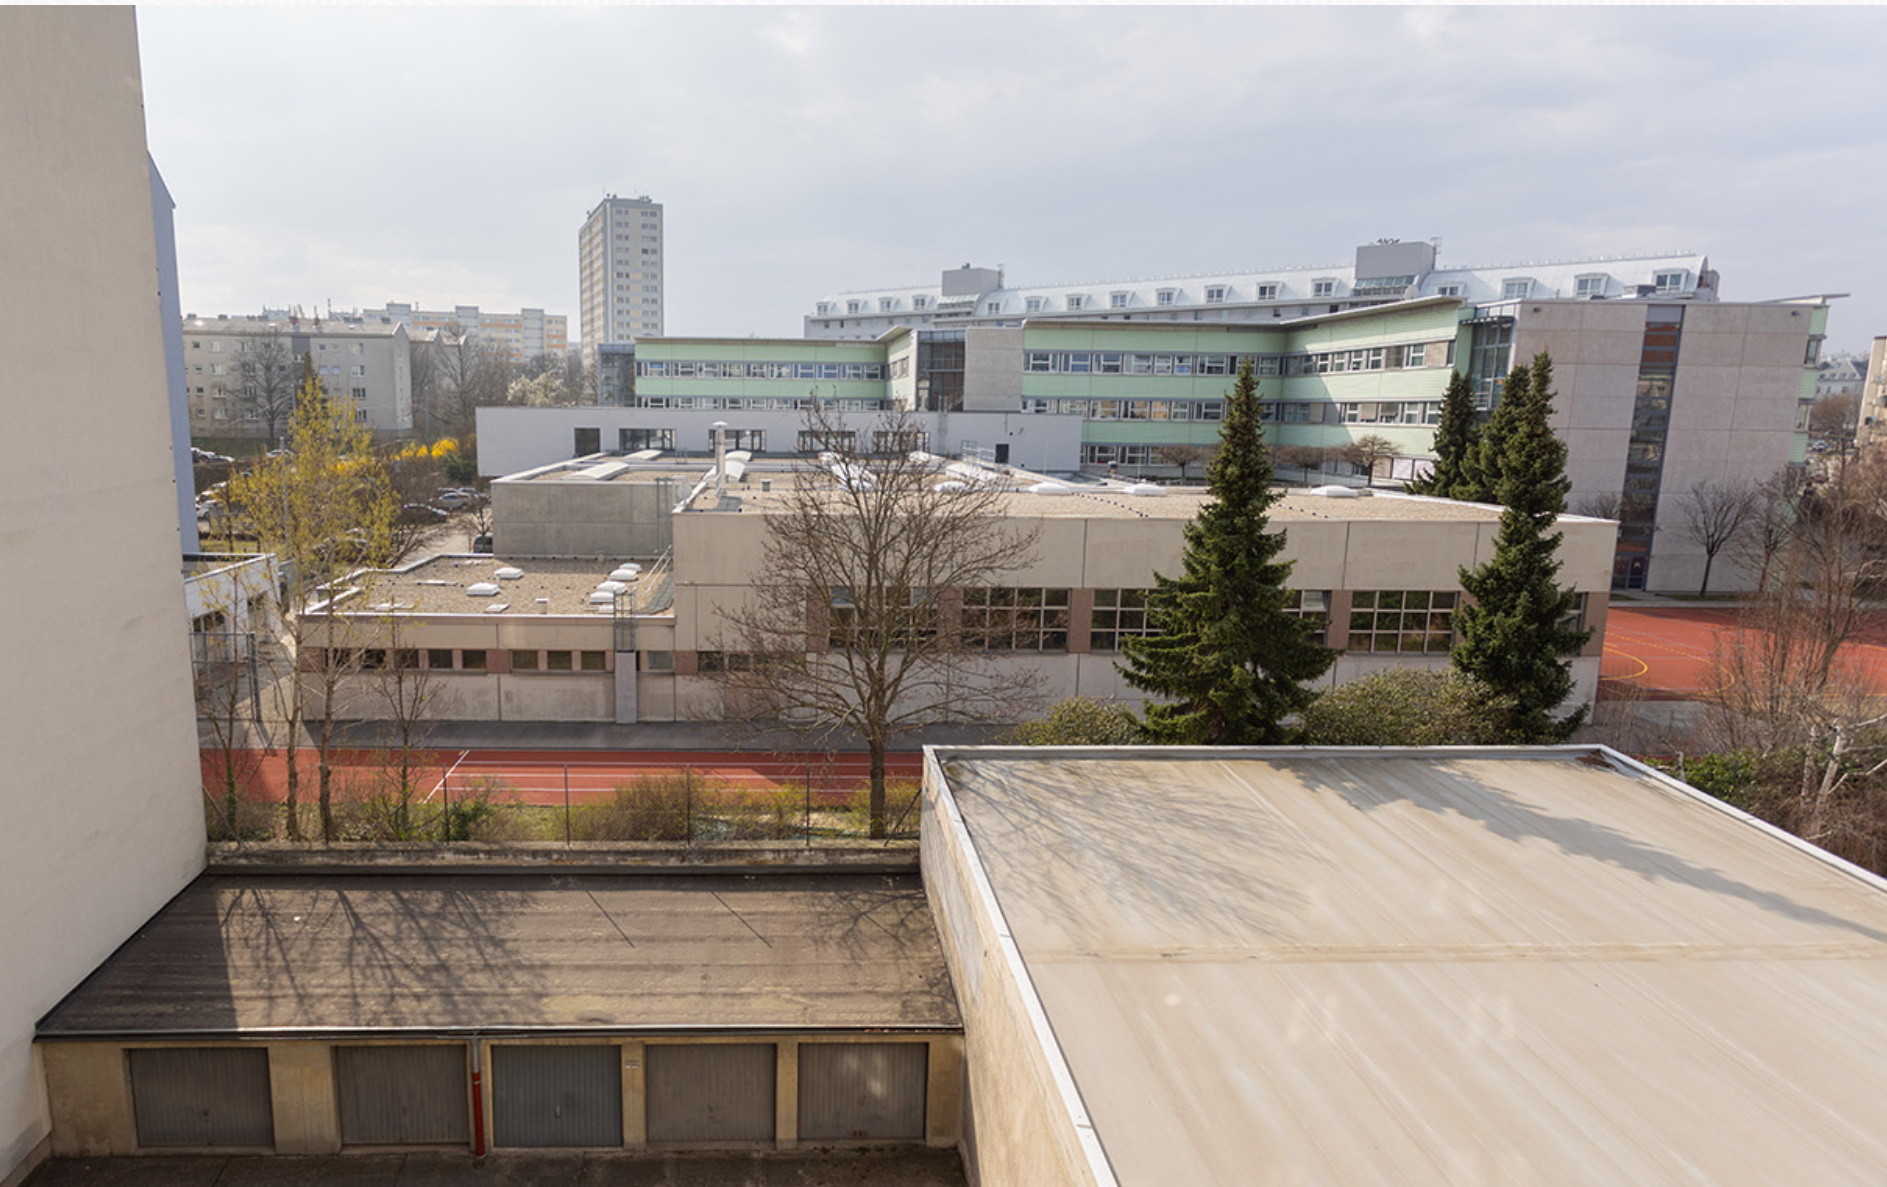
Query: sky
[(448, 155)]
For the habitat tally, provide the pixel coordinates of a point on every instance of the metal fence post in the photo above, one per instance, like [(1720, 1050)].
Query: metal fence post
[(566, 804), (688, 790)]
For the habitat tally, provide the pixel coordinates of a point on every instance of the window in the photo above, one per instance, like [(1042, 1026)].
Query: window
[(1448, 290), (359, 394), (658, 661), (1215, 294), (992, 307), (854, 307), (1812, 354), (357, 370), (557, 661), (920, 301), (1516, 288), (1590, 285), (1117, 300), (360, 416), (1005, 619), (825, 307), (1118, 613), (887, 304), (1670, 282), (1403, 621), (1267, 292), (353, 349), (1311, 605), (1075, 301), (715, 662), (635, 440), (1323, 288), (1033, 305), (886, 442), (1166, 296), (439, 658), (524, 661), (832, 440), (592, 661)]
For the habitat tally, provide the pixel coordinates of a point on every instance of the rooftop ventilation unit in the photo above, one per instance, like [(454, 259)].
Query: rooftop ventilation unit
[(482, 589), (625, 573), (1147, 490), (1339, 492), (509, 573), (1051, 488)]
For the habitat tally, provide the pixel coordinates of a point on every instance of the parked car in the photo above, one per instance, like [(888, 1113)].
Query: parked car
[(457, 499), (414, 513), (482, 543)]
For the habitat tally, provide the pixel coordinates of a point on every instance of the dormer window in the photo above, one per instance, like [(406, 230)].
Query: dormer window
[(1076, 302), (854, 307), (920, 301), (1033, 305), (1117, 300), (1215, 294), (1267, 292), (1448, 290), (1516, 288), (1166, 296), (1591, 284), (992, 307), (887, 304), (1670, 282), (1323, 288)]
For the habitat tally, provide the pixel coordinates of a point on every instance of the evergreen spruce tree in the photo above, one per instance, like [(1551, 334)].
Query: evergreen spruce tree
[(1481, 470), (1226, 662), (1456, 438), (1511, 635)]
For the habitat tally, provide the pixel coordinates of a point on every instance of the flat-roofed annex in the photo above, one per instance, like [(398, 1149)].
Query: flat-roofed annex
[(438, 585), (1548, 967), (251, 955)]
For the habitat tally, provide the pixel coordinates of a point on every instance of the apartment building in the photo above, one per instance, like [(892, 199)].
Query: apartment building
[(522, 335), (619, 272), (1653, 395), (365, 366), (99, 770)]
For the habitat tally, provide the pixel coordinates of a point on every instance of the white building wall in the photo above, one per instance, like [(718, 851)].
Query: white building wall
[(98, 765)]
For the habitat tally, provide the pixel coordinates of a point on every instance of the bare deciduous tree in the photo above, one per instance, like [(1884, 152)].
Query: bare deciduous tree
[(1185, 456), (1714, 514), (1302, 458), (1771, 523), (879, 602), (472, 373), (1365, 452), (265, 378)]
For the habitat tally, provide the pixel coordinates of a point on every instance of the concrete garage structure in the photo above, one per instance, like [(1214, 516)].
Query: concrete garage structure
[(514, 1011), (1286, 966)]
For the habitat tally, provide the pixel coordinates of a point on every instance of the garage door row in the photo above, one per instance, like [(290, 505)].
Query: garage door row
[(522, 1094)]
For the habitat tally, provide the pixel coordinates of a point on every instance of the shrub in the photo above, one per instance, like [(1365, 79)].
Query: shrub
[(1077, 721), (1404, 707)]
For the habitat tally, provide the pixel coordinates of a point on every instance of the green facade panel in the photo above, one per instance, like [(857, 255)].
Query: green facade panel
[(1177, 338)]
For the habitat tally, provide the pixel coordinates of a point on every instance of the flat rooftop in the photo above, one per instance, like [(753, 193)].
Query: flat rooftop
[(438, 586), (1182, 503), (255, 954), (1445, 968)]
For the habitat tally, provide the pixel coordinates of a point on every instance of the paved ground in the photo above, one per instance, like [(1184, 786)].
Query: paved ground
[(890, 1168), (1669, 652)]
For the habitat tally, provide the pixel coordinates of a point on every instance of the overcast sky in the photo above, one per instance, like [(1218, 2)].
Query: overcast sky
[(359, 155)]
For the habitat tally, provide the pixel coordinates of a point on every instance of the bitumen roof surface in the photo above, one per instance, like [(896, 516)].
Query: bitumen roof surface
[(1436, 969), (248, 955)]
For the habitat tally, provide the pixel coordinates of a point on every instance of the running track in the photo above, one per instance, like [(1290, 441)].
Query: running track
[(1670, 653), (539, 776)]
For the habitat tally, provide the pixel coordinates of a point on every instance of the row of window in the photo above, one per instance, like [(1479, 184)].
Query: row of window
[(1129, 409), (755, 403), (686, 369), (1107, 362), (446, 659)]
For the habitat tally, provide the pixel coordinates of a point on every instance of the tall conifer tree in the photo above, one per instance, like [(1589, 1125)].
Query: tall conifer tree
[(1512, 637), (1481, 471), (1226, 659), (1456, 439)]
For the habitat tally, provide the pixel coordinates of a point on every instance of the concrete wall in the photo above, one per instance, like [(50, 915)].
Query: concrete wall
[(584, 518), (92, 1110), (1023, 1125), (511, 440), (96, 716)]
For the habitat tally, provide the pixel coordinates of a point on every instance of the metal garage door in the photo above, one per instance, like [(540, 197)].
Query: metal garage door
[(862, 1090), (402, 1096), (556, 1096), (710, 1092), (202, 1096)]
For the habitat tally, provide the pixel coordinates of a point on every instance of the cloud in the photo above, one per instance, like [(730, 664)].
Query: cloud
[(451, 153)]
